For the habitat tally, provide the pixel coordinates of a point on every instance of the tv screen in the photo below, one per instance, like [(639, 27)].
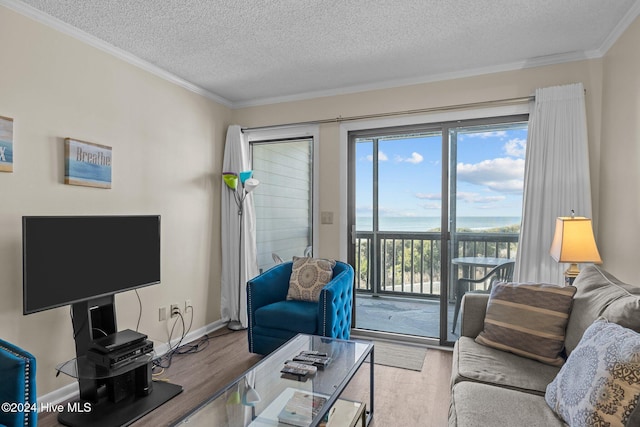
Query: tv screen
[(67, 259)]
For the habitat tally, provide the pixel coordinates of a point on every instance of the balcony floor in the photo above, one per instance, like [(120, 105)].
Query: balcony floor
[(403, 315)]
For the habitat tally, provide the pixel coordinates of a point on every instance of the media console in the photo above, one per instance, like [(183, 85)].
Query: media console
[(110, 394)]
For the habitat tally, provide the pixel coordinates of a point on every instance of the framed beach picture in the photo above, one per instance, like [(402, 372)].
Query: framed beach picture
[(6, 144), (87, 164)]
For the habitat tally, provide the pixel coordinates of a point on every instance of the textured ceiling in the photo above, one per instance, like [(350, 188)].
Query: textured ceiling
[(251, 52)]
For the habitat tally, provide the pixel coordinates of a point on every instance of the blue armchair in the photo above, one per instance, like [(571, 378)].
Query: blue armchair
[(17, 385), (273, 319)]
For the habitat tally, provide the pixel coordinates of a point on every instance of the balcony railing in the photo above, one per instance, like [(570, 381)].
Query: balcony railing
[(408, 263)]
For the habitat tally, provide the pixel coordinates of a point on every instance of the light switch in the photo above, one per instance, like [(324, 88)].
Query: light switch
[(326, 217)]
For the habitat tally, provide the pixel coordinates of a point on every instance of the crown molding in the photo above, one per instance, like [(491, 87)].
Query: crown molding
[(390, 84), (56, 24), (624, 23)]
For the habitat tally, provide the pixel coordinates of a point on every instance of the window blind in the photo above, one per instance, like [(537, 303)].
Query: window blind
[(283, 201)]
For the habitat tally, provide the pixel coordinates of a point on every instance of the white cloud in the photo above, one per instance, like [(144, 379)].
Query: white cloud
[(415, 158), (485, 135), (381, 157), (430, 206), (516, 147), (429, 196), (501, 174), (477, 198), (433, 200)]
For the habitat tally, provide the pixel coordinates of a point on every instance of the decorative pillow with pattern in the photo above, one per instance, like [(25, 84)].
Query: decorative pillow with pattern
[(600, 383), (528, 319), (308, 277)]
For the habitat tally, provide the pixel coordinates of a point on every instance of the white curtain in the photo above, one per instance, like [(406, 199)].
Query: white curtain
[(236, 159), (556, 178)]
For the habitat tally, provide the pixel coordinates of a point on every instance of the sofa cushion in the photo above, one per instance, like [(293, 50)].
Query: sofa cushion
[(301, 316), (479, 363), (308, 277), (528, 319), (600, 383), (475, 404), (599, 294)]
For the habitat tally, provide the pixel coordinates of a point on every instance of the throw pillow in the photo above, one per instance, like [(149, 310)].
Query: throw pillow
[(600, 294), (600, 383), (528, 320), (308, 277)]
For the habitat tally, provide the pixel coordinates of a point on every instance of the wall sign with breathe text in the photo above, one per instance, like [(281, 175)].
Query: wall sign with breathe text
[(87, 164), (6, 144)]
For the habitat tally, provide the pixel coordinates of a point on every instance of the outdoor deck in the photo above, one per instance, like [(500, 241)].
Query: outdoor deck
[(402, 315), (398, 277)]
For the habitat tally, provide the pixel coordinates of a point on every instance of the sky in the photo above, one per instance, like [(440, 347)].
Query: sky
[(490, 171)]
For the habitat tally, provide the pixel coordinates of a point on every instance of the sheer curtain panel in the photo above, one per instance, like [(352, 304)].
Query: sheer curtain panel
[(556, 178)]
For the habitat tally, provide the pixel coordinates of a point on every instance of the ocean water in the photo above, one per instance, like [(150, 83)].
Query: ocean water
[(88, 172), (8, 152), (475, 223)]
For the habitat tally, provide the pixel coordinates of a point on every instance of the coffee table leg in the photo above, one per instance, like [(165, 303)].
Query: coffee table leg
[(369, 417)]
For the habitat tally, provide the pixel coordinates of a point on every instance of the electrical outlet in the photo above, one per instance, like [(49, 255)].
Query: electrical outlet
[(162, 314), (187, 305), (175, 310)]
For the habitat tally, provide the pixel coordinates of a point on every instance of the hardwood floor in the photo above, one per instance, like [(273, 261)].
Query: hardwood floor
[(402, 397)]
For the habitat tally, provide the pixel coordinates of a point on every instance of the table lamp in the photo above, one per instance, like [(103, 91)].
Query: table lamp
[(573, 242)]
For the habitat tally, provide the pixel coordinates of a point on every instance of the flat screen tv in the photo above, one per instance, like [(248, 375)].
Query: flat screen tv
[(69, 259)]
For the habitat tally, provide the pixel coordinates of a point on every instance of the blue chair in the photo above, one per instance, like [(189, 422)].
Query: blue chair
[(17, 385), (273, 320)]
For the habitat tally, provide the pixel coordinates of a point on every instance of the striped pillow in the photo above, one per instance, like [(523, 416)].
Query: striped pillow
[(528, 319)]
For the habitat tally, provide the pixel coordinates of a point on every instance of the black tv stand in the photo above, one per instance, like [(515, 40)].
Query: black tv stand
[(108, 397), (107, 414)]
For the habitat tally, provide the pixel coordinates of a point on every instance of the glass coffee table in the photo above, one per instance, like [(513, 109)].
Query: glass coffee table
[(263, 396)]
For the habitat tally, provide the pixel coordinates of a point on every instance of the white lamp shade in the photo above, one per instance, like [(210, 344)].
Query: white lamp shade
[(573, 241), (251, 397), (251, 184)]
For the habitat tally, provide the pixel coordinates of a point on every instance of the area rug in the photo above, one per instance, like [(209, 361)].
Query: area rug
[(399, 355)]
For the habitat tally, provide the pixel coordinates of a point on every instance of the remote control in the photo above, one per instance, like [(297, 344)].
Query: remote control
[(305, 366), (295, 371), (313, 353), (310, 359)]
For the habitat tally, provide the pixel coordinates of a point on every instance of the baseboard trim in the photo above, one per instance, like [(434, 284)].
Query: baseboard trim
[(71, 391)]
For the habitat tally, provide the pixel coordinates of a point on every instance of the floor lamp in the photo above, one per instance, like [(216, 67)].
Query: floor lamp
[(241, 185)]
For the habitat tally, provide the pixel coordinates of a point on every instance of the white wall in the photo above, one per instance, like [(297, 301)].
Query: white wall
[(167, 154), (619, 211)]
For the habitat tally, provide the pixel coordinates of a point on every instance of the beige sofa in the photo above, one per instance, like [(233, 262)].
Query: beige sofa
[(490, 387)]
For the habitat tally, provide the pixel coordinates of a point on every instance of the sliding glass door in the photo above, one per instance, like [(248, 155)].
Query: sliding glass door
[(421, 198), (397, 229)]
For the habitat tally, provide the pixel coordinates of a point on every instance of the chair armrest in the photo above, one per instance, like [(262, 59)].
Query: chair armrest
[(474, 308), (269, 287), (336, 303), (17, 384)]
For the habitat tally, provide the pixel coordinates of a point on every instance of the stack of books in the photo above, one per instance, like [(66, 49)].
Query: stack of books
[(301, 408)]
